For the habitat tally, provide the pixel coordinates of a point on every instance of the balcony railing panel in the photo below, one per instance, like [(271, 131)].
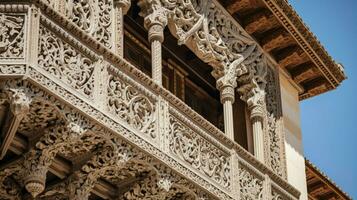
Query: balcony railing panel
[(82, 65)]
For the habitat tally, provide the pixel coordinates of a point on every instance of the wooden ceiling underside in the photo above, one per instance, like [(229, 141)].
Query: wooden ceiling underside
[(292, 55), (319, 187)]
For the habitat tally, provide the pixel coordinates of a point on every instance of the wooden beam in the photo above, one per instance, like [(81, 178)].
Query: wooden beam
[(277, 39), (304, 72), (291, 56), (8, 131), (260, 21), (234, 6)]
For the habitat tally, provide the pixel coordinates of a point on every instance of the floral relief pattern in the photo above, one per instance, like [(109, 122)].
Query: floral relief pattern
[(65, 62), (12, 36), (93, 16), (251, 187), (131, 106), (273, 128), (198, 152)]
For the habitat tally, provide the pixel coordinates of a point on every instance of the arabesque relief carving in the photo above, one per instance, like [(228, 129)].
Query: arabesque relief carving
[(12, 37), (199, 153)]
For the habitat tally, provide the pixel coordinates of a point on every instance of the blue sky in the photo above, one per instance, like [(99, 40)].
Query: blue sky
[(329, 121)]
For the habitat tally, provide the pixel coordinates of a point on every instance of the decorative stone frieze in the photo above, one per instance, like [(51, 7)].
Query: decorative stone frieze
[(251, 186)]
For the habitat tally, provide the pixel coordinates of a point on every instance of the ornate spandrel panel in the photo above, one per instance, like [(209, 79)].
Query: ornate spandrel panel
[(65, 62), (188, 145), (12, 36)]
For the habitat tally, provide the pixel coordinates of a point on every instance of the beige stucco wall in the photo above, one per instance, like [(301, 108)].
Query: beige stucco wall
[(293, 140)]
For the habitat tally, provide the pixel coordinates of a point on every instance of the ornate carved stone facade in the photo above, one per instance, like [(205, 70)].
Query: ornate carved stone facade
[(86, 124)]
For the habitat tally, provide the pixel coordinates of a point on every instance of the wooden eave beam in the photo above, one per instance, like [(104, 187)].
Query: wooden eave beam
[(277, 39), (234, 6), (316, 86), (260, 22), (291, 56), (304, 72), (8, 131)]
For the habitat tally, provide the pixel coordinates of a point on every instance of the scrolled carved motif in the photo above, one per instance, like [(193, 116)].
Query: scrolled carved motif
[(251, 187), (272, 98), (12, 36), (198, 152), (131, 106), (65, 62), (94, 17)]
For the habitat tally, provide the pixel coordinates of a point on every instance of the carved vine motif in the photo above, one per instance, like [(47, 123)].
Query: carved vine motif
[(251, 187), (278, 196), (131, 106), (12, 36), (195, 150), (63, 61), (94, 17), (274, 133), (40, 116), (12, 69)]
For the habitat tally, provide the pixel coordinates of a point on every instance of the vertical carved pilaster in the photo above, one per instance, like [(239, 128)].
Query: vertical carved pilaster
[(267, 187), (235, 175), (121, 7), (163, 124), (155, 21), (19, 101), (33, 35), (101, 77)]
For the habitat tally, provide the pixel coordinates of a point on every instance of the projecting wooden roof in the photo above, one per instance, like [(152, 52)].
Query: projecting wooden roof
[(320, 187), (283, 34)]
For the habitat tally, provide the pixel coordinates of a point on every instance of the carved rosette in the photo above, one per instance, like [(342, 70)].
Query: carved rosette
[(94, 17), (65, 62), (198, 152), (12, 37)]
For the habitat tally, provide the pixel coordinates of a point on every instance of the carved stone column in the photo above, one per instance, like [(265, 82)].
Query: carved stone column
[(257, 117), (155, 23), (121, 7), (227, 99), (253, 93)]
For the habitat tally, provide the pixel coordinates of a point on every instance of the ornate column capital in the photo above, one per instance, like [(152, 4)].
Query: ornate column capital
[(155, 19), (123, 4)]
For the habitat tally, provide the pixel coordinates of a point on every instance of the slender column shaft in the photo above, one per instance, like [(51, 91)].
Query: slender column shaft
[(156, 58), (120, 31), (228, 119), (258, 139), (121, 8)]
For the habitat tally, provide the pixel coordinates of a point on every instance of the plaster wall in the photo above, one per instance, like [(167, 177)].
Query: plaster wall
[(293, 139)]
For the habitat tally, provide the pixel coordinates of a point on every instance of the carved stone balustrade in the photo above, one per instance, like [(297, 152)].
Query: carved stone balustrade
[(132, 132)]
